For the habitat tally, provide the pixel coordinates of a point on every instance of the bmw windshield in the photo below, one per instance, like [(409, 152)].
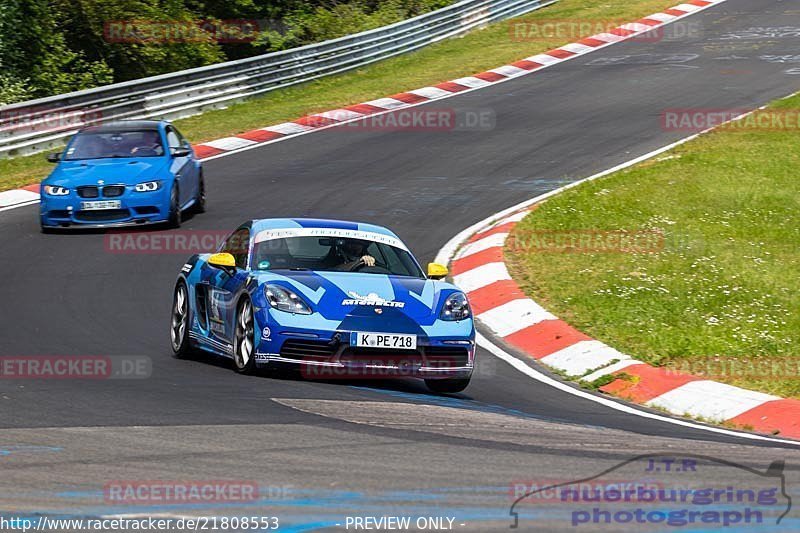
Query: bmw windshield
[(113, 144), (334, 254)]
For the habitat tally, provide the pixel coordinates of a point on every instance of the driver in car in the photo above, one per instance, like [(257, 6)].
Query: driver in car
[(352, 253), (149, 146)]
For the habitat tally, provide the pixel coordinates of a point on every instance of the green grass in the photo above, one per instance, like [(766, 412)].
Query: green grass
[(472, 53), (721, 298)]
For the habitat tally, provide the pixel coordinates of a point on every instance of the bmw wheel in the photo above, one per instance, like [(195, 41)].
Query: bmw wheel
[(179, 326), (244, 338), (174, 220)]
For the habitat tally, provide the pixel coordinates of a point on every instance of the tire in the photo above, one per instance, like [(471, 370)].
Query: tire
[(244, 360), (447, 386), (179, 323), (174, 220), (200, 200)]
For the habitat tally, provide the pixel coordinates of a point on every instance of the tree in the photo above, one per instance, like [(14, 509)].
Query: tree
[(34, 55)]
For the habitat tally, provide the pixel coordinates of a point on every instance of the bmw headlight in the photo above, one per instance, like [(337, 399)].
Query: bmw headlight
[(285, 299), (148, 186), (54, 190), (456, 307)]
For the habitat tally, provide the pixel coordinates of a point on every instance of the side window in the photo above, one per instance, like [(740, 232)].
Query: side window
[(237, 245), (181, 139), (172, 139)]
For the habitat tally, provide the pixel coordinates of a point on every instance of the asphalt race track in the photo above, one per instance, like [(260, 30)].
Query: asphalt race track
[(345, 449)]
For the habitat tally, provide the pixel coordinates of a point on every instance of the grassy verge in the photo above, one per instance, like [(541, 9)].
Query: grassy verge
[(720, 298), (475, 52)]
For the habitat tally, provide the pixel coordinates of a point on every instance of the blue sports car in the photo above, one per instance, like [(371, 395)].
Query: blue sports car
[(122, 174), (337, 299)]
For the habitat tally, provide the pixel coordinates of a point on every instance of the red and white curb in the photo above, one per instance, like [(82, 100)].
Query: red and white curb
[(318, 121), (500, 306)]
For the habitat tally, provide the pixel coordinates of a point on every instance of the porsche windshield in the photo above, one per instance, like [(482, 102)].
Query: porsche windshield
[(108, 144), (333, 254)]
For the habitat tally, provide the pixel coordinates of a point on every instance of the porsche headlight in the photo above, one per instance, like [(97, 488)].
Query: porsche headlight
[(54, 190), (456, 307), (285, 299), (148, 186)]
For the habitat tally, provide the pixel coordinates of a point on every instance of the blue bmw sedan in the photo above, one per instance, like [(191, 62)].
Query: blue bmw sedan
[(122, 174)]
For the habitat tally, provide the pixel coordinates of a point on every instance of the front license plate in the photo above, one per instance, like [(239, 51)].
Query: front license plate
[(384, 340), (102, 204)]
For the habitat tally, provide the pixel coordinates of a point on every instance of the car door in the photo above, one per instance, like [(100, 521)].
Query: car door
[(181, 167), (222, 287)]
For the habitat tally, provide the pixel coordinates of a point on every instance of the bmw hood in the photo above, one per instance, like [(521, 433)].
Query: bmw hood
[(338, 295), (128, 171)]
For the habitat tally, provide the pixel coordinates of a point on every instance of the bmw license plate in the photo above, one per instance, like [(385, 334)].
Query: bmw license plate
[(384, 340), (101, 204)]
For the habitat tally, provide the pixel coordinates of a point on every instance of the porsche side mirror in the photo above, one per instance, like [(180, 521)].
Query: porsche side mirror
[(436, 271), (181, 152), (225, 261), (55, 157)]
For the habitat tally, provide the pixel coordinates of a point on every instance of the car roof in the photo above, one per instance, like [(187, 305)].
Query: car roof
[(124, 125), (287, 223)]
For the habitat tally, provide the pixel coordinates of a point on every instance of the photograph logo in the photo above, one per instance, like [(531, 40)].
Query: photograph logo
[(665, 489)]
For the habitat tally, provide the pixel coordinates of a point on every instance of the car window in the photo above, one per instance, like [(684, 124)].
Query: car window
[(332, 254), (238, 246), (305, 248), (172, 139), (111, 144), (181, 139)]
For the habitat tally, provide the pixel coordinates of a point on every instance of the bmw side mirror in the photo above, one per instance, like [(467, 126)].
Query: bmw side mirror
[(55, 157), (181, 152)]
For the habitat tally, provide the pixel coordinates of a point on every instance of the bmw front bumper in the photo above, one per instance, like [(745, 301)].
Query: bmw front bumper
[(135, 208)]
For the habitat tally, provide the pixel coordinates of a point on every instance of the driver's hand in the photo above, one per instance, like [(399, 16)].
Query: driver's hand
[(368, 260)]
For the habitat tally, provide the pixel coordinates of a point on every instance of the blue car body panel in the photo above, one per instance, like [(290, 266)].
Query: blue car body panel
[(342, 303), (135, 207)]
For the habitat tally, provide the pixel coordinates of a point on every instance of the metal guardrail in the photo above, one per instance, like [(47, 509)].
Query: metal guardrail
[(37, 125)]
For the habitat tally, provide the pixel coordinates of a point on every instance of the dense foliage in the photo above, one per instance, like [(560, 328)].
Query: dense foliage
[(50, 47)]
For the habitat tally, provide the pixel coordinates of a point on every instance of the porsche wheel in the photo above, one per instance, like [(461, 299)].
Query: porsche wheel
[(244, 339), (179, 327)]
